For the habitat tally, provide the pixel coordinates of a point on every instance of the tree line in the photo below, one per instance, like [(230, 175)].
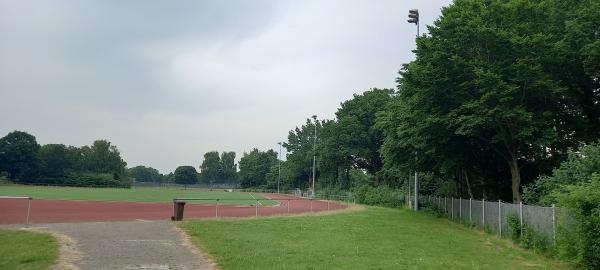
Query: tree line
[(23, 160)]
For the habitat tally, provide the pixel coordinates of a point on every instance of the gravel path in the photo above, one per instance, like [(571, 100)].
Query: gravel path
[(131, 245)]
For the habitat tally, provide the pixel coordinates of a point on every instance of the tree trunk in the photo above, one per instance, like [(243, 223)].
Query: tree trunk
[(516, 178), (468, 184)]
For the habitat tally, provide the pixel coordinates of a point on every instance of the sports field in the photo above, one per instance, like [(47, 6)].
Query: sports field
[(375, 238), (26, 250), (141, 194)]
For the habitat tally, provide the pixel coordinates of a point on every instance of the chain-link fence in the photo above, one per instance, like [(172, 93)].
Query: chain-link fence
[(493, 216)]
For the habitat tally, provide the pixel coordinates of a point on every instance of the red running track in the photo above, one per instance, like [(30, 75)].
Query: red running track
[(14, 211)]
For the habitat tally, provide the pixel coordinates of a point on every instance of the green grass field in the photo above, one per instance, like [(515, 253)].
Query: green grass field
[(27, 250), (141, 194), (375, 238)]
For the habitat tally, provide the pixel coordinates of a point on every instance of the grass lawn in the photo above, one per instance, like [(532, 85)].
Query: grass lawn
[(140, 194), (375, 238), (27, 250)]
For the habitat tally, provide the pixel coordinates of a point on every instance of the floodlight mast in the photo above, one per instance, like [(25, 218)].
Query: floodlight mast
[(314, 172), (279, 174), (413, 17)]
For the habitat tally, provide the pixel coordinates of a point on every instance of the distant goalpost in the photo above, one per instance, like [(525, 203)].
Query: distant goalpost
[(23, 198)]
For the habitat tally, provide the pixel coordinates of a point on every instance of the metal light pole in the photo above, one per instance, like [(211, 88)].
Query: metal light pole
[(413, 17), (314, 172), (279, 159)]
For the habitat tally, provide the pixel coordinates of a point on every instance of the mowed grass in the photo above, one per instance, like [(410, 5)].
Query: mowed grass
[(375, 238), (140, 194), (27, 250)]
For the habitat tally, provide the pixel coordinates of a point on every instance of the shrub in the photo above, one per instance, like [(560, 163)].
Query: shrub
[(379, 195), (578, 168), (581, 241), (525, 236)]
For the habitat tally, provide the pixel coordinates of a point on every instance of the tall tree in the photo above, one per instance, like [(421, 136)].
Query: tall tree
[(299, 148), (353, 140), (185, 175), (103, 157), (55, 160), (145, 174), (256, 168), (19, 155), (482, 83), (228, 167), (210, 170)]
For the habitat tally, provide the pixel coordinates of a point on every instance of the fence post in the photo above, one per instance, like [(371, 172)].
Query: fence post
[(483, 214), (452, 202), (554, 224), (499, 219), (256, 214), (28, 210), (459, 208), (445, 206), (521, 216), (217, 208), (471, 210)]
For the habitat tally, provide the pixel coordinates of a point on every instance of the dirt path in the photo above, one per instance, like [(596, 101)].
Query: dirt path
[(130, 245)]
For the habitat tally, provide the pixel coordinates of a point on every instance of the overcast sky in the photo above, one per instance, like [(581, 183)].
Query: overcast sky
[(167, 81)]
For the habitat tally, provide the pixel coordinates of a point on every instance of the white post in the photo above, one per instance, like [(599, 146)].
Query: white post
[(483, 214), (459, 208), (416, 192), (28, 209), (445, 206), (217, 208), (256, 208), (499, 219), (521, 215), (554, 224), (452, 202), (470, 210)]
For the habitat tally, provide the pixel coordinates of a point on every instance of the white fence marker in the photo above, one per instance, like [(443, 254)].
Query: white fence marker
[(483, 214), (499, 218)]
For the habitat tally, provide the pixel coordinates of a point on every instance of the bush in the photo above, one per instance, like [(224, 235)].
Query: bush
[(84, 180), (581, 241), (380, 195), (526, 237), (578, 168)]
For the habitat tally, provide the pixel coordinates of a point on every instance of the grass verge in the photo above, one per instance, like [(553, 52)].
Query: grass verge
[(140, 194), (27, 250), (376, 238)]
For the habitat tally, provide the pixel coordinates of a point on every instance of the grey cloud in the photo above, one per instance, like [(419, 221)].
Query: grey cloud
[(168, 80)]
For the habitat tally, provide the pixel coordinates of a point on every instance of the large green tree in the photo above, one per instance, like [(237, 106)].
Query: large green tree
[(185, 175), (210, 170), (257, 167), (353, 140), (482, 89), (228, 167), (103, 157), (145, 174), (56, 160), (19, 155), (300, 145)]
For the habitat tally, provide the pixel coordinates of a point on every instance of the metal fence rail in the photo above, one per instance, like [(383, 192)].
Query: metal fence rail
[(493, 216), (286, 203), (28, 204)]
